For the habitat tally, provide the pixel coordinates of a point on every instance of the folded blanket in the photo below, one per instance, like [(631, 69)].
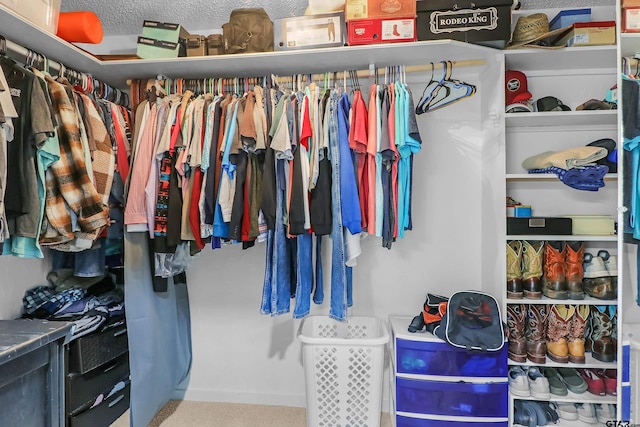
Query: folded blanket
[(566, 159)]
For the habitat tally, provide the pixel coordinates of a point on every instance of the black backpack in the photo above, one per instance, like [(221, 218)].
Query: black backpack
[(472, 321)]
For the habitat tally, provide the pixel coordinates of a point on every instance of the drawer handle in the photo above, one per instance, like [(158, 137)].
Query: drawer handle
[(110, 368), (120, 332), (116, 401)]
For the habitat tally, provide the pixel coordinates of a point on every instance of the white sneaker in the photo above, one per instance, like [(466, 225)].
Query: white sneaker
[(538, 383), (594, 267), (565, 410), (587, 413), (518, 383), (605, 412)]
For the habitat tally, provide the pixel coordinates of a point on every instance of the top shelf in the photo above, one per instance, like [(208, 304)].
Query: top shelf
[(116, 73)]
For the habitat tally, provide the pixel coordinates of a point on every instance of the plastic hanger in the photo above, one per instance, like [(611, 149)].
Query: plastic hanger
[(428, 93), (447, 92)]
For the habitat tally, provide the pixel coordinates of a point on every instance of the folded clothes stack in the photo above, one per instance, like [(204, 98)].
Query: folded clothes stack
[(582, 168)]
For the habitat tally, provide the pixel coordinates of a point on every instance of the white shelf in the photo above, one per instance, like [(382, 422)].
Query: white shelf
[(116, 73), (566, 238), (561, 118), (548, 177), (589, 363), (544, 300), (586, 58), (585, 397)]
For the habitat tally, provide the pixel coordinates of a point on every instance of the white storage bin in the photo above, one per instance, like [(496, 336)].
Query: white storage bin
[(42, 13), (344, 366)]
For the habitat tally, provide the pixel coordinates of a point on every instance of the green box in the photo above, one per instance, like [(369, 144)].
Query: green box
[(163, 31), (149, 48)]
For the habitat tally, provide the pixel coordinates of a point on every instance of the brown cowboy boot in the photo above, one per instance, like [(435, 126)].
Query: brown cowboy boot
[(532, 259), (514, 269), (599, 336), (554, 282), (574, 258), (535, 329), (576, 335), (516, 315), (558, 328)]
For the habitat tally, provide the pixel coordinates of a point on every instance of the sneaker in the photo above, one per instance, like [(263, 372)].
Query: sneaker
[(587, 413), (538, 383), (556, 384), (518, 382), (595, 383), (605, 412), (565, 410), (572, 379), (610, 378)]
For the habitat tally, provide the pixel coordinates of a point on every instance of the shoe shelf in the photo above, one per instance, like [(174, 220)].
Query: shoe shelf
[(566, 238), (590, 363), (547, 177), (544, 300), (571, 397)]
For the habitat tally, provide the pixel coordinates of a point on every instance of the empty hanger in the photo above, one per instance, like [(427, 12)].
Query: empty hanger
[(444, 92)]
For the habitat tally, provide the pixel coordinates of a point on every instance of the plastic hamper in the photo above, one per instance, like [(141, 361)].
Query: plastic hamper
[(344, 366)]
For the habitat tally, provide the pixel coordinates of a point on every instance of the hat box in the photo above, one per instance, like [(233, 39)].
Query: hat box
[(485, 22)]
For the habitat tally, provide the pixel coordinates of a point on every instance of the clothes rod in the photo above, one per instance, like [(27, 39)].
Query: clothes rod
[(367, 72), (20, 53)]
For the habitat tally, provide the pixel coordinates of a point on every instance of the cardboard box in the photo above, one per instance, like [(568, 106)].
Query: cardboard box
[(151, 48), (312, 31), (165, 31), (630, 3), (215, 44), (367, 9), (602, 225), (373, 31), (568, 17), (595, 33), (539, 226), (631, 19), (486, 22)]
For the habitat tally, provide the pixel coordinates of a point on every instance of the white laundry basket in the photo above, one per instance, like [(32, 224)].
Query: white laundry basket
[(344, 366)]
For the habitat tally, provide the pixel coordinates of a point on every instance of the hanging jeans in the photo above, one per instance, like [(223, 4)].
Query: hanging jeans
[(318, 292), (340, 273), (276, 292), (304, 275)]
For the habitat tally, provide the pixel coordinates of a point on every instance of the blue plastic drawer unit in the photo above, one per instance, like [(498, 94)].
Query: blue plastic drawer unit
[(402, 421), (441, 358), (461, 399)]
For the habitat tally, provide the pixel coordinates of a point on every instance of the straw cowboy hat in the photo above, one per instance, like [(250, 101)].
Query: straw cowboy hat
[(533, 31)]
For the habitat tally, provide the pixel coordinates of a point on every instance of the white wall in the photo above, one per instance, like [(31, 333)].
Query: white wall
[(18, 275), (241, 355)]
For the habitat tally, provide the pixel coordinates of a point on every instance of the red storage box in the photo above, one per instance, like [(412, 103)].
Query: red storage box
[(367, 9), (374, 31)]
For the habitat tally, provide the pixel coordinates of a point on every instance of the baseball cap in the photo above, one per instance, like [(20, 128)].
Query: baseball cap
[(551, 103), (516, 90)]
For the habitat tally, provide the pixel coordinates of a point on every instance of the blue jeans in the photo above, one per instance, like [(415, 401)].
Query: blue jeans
[(318, 292), (87, 263), (341, 283), (304, 275), (276, 292)]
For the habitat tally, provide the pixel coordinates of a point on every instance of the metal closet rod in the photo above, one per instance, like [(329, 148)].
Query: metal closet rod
[(368, 72), (21, 54)]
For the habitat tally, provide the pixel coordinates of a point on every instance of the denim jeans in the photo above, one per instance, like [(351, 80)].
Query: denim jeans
[(276, 292), (304, 275), (318, 291), (87, 263), (340, 273)]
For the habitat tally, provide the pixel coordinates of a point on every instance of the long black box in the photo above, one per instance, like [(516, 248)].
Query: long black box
[(486, 22), (539, 225)]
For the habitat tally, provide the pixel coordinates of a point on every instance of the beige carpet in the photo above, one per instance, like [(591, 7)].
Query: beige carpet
[(178, 413)]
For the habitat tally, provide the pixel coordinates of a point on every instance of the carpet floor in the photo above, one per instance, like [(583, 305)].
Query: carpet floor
[(177, 413)]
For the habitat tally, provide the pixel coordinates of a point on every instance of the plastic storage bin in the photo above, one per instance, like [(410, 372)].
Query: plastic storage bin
[(344, 366), (460, 399), (402, 421), (42, 13), (437, 357)]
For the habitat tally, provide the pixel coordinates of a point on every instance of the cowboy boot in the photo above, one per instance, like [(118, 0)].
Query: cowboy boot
[(599, 336), (576, 335), (558, 328), (597, 280), (516, 315), (574, 258), (535, 333), (514, 269), (532, 258), (554, 282)]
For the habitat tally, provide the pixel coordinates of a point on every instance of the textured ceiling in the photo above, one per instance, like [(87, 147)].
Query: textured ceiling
[(121, 17)]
